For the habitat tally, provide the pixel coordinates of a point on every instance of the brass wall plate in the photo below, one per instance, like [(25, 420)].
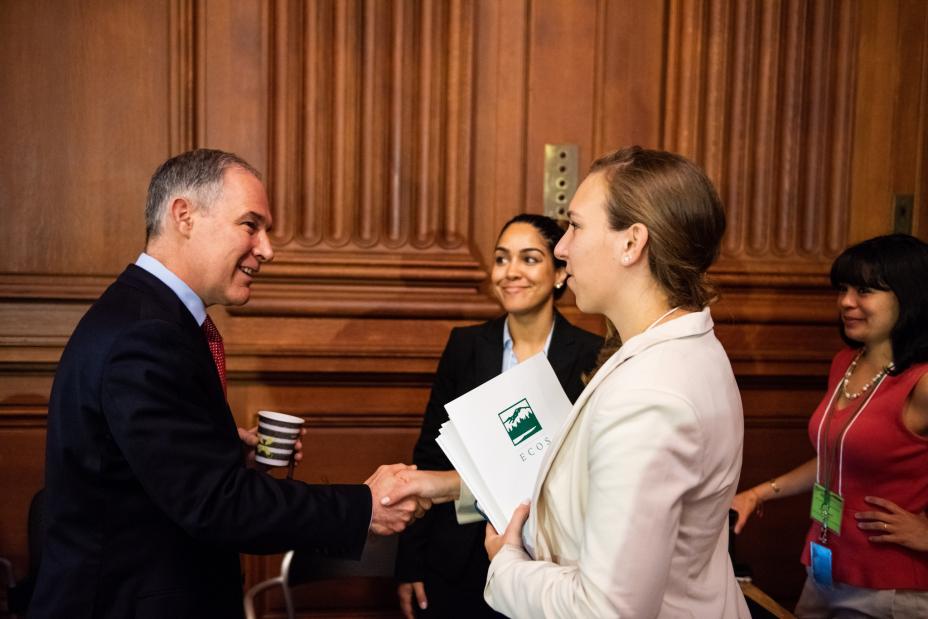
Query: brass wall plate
[(903, 209), (560, 178)]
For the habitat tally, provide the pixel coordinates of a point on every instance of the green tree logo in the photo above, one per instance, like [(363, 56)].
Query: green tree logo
[(520, 421)]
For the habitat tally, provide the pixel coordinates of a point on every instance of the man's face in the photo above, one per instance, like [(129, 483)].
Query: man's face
[(229, 240)]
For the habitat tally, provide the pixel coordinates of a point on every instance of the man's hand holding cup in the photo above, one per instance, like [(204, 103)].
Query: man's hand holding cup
[(275, 441)]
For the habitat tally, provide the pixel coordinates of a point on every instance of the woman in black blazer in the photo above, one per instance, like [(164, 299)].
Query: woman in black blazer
[(443, 565)]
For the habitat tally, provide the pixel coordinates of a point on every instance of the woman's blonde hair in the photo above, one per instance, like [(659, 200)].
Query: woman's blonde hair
[(682, 211)]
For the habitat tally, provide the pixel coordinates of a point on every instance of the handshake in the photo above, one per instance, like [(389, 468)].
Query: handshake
[(401, 494)]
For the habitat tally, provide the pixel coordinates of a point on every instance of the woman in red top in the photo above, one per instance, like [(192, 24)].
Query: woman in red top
[(867, 548)]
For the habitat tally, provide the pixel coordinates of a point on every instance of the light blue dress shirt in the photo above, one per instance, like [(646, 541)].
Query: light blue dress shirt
[(184, 292), (509, 356)]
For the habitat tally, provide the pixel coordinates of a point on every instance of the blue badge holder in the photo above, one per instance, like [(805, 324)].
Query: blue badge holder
[(821, 565)]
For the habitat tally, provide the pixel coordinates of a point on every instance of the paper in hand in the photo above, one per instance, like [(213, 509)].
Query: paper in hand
[(499, 433)]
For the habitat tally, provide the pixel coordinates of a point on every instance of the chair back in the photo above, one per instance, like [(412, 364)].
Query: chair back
[(300, 567), (377, 561), (19, 594), (36, 530)]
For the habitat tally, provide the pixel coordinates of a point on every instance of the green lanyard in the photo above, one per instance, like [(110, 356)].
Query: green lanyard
[(828, 506)]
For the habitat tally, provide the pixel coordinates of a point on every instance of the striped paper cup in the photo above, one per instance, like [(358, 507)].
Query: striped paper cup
[(277, 434)]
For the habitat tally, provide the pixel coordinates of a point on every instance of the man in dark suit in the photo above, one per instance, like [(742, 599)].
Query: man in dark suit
[(149, 501)]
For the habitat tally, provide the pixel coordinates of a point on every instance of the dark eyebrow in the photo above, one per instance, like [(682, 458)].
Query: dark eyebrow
[(524, 250)]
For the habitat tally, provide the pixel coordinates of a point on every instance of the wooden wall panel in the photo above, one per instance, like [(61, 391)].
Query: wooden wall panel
[(369, 159), (23, 435), (761, 94), (630, 56), (85, 82), (562, 40), (396, 136), (232, 77)]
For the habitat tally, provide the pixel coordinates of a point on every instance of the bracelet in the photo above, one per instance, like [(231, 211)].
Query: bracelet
[(759, 509)]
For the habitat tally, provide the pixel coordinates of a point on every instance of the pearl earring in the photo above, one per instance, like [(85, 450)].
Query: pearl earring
[(559, 285), (625, 259)]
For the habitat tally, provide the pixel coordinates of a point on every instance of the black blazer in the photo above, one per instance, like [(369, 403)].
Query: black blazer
[(472, 356), (148, 499)]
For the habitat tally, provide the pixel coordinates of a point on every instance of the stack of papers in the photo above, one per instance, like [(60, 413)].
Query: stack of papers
[(498, 434)]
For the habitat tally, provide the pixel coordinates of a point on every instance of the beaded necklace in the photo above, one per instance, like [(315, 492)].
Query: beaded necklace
[(850, 370)]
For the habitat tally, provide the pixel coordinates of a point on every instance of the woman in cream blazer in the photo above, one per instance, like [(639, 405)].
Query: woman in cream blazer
[(628, 517)]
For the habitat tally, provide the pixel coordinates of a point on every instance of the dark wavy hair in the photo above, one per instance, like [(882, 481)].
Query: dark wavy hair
[(897, 263), (549, 230)]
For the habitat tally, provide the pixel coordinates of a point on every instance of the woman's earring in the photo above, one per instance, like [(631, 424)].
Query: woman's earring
[(559, 285), (625, 259)]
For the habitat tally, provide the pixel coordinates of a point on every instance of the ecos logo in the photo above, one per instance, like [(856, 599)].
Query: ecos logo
[(520, 421)]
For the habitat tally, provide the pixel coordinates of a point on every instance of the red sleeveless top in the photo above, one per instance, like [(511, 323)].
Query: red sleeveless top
[(881, 458)]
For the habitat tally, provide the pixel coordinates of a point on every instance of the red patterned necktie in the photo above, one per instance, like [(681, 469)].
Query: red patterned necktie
[(216, 348)]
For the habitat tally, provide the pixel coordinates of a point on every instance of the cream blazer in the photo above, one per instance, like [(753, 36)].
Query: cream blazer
[(630, 512)]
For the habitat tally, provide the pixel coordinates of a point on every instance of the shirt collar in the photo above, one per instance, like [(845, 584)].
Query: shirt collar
[(185, 293), (507, 337), (692, 324)]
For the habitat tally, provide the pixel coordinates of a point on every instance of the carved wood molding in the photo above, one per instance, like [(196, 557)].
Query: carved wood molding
[(36, 416), (370, 160), (184, 52), (776, 304), (746, 98), (40, 286), (20, 416)]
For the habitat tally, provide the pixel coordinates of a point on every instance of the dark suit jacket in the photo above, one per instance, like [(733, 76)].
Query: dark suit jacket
[(472, 356), (148, 500)]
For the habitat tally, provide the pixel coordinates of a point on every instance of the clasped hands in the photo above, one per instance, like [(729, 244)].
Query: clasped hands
[(431, 487), (410, 496), (400, 493)]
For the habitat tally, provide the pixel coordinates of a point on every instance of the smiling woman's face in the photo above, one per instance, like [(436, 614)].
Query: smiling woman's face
[(868, 314), (523, 271)]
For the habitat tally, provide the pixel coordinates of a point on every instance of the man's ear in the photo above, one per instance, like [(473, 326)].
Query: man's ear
[(180, 216)]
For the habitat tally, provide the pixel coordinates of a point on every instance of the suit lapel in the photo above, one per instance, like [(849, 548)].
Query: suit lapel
[(168, 306), (692, 324), (562, 354), (613, 362), (488, 352)]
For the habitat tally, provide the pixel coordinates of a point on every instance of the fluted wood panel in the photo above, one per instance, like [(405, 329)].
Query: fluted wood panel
[(761, 94), (182, 56), (396, 136), (370, 159)]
